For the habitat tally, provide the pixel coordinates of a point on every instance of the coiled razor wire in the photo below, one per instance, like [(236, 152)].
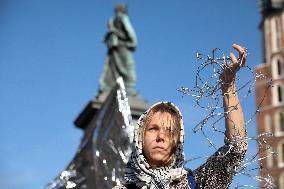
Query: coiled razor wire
[(208, 97)]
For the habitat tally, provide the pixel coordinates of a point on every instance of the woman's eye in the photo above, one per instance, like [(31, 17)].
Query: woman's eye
[(152, 129)]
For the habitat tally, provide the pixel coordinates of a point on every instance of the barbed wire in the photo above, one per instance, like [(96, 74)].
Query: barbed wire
[(208, 97)]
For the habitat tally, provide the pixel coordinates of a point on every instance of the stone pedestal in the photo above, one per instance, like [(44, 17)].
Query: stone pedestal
[(137, 106)]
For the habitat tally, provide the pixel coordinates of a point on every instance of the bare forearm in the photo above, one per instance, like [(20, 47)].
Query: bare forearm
[(234, 117)]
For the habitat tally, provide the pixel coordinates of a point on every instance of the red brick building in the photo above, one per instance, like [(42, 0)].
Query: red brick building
[(271, 116)]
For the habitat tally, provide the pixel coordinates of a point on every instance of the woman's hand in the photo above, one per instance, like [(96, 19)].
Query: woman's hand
[(229, 72)]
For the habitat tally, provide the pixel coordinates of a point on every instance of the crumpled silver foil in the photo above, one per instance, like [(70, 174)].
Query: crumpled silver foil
[(104, 149)]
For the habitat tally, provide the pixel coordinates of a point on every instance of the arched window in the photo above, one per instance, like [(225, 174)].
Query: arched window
[(277, 33), (277, 66), (267, 123), (280, 150), (269, 154), (281, 181), (282, 153), (279, 93), (281, 121), (269, 158), (279, 70)]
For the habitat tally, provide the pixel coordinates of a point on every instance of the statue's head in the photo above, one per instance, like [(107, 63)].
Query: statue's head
[(121, 7)]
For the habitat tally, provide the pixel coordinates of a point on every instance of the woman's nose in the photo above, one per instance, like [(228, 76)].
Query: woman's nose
[(160, 137)]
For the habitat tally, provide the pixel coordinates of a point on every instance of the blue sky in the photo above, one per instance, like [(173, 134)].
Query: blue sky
[(52, 55)]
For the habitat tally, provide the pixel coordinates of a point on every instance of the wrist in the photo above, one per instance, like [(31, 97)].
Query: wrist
[(228, 87)]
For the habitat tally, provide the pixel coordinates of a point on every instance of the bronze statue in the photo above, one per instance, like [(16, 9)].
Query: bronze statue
[(121, 42)]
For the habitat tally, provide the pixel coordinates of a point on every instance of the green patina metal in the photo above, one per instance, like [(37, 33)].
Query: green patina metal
[(121, 42)]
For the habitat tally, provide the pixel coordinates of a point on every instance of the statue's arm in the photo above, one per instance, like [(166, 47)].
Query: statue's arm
[(132, 42)]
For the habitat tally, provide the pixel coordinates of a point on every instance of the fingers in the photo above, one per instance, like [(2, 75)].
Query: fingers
[(240, 49), (243, 59), (242, 55), (230, 70), (233, 58)]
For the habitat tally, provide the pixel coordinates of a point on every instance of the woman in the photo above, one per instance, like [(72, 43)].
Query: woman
[(157, 160)]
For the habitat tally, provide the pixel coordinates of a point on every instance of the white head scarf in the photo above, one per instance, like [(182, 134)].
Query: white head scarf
[(139, 172)]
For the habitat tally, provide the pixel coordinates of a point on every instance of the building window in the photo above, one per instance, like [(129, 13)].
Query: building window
[(278, 33), (267, 123), (277, 67), (281, 181), (279, 93), (279, 71), (269, 158), (275, 34), (280, 150), (281, 121)]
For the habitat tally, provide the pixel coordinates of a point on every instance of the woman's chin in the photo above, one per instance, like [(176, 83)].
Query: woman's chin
[(158, 160)]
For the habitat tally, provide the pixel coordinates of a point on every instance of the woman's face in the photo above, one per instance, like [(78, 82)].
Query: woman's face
[(158, 141)]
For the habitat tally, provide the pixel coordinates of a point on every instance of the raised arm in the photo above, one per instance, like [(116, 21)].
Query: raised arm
[(219, 169), (234, 117)]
